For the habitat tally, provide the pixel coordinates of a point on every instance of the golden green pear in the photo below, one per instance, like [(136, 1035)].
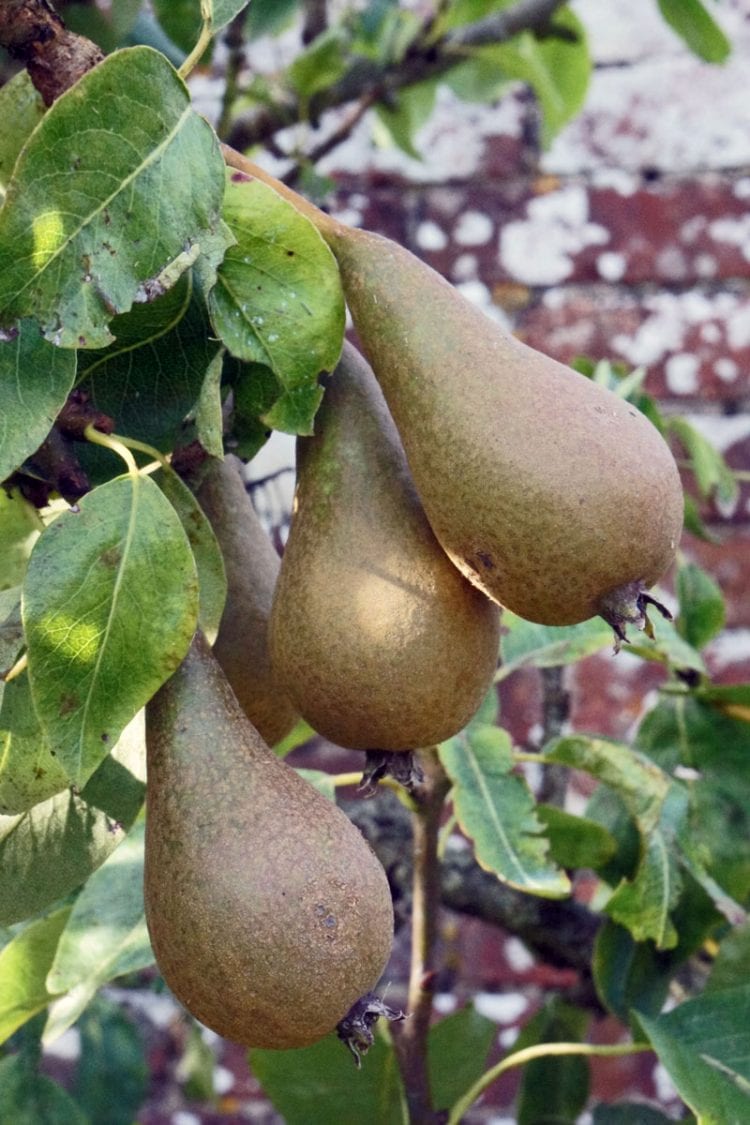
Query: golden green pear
[(557, 498), (379, 640), (269, 914), (252, 567)]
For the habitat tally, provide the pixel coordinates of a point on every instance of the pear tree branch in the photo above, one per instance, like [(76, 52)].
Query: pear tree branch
[(426, 58), (410, 1038)]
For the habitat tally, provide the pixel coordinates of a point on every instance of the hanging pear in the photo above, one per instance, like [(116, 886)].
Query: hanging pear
[(554, 496), (268, 913), (252, 568), (379, 640)]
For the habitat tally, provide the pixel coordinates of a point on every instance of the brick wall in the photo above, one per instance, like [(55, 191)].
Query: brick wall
[(628, 240)]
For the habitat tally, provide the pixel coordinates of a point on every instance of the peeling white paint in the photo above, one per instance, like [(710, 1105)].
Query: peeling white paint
[(465, 267), (501, 1007), (681, 372), (611, 266), (633, 119), (671, 264), (741, 188), (224, 1080), (517, 955), (540, 249), (738, 328), (726, 370), (350, 217), (735, 231), (662, 332), (473, 229), (692, 229), (478, 293), (429, 236), (624, 183), (711, 333), (705, 265)]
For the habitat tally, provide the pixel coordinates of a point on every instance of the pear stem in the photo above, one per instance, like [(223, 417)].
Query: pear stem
[(410, 1039)]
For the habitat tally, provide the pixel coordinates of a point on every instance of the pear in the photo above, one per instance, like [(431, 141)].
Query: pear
[(268, 913), (379, 640), (555, 497), (252, 567)]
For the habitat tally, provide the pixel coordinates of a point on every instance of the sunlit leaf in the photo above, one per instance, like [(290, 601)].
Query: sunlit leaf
[(54, 847), (100, 206), (495, 808), (278, 299), (110, 606), (24, 963)]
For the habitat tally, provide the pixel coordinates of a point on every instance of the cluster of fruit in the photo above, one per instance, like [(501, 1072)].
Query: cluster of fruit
[(461, 472)]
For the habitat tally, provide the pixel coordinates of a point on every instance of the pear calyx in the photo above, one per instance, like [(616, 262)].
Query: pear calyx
[(628, 605), (355, 1029)]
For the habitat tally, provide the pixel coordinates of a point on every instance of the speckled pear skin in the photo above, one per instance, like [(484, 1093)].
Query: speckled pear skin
[(379, 640), (546, 490), (252, 567), (268, 912)]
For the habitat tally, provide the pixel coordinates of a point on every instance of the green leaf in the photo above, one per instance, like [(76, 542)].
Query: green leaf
[(666, 647), (412, 109), (641, 784), (645, 903), (553, 1089), (35, 379), (496, 810), (525, 643), (635, 975), (151, 378), (269, 17), (319, 780), (24, 963), (697, 27), (112, 1062), (575, 841), (712, 474), (50, 850), (181, 20), (223, 11), (732, 963), (318, 1085), (30, 1098), (195, 1070), (457, 1052), (704, 1044), (81, 238), (20, 527), (212, 579), (630, 1113), (301, 733), (11, 629), (21, 108), (683, 731), (557, 67), (105, 935), (110, 606), (209, 421), (321, 63), (278, 299), (29, 769), (702, 611)]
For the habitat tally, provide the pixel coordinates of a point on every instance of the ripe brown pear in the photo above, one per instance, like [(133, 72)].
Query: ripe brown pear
[(252, 568), (379, 640), (268, 913), (554, 496)]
